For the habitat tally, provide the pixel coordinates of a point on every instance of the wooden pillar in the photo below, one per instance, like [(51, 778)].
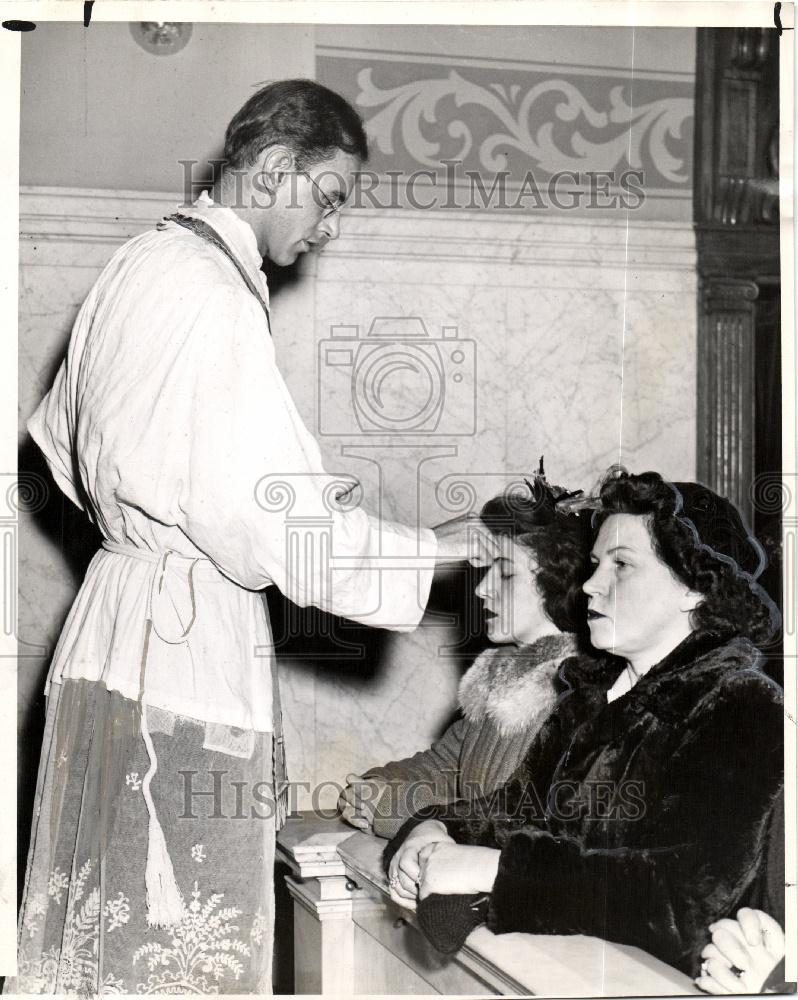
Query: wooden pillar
[(726, 400), (324, 959), (324, 953), (736, 212)]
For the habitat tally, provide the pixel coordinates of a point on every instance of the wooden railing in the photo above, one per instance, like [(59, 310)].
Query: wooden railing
[(350, 938)]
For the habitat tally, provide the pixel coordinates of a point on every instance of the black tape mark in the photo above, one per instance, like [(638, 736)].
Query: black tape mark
[(87, 13), (777, 19), (19, 25)]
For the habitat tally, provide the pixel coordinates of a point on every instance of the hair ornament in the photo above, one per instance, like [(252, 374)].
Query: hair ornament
[(576, 502), (557, 499)]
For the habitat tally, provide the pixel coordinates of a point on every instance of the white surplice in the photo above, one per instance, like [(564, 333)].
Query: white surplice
[(170, 424)]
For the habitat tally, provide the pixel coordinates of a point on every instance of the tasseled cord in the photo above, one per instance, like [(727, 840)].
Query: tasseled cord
[(165, 906), (164, 899)]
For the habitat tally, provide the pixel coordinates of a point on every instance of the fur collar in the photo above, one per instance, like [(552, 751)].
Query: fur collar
[(513, 685)]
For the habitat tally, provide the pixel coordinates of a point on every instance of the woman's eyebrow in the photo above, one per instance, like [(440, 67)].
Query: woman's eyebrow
[(609, 552)]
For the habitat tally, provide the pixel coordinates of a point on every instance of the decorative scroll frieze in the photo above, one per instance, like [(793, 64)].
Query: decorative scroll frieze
[(540, 122), (629, 134)]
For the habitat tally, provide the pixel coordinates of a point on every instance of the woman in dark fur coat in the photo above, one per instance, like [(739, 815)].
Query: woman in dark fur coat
[(641, 813)]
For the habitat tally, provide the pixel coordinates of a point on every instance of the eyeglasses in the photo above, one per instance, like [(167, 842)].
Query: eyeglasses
[(331, 208)]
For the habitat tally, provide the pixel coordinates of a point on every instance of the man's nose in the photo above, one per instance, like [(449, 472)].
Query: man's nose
[(331, 226)]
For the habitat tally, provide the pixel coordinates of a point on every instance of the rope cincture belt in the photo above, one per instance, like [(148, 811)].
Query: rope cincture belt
[(165, 906)]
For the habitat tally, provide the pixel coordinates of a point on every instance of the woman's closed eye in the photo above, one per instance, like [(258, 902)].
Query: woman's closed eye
[(505, 567)]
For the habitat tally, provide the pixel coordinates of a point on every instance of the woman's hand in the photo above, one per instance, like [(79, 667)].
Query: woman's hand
[(404, 869), (357, 802), (465, 539), (741, 954), (447, 868)]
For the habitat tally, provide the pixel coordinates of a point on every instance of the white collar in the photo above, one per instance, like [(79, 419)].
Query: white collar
[(236, 233)]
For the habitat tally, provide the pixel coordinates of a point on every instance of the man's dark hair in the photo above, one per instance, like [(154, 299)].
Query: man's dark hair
[(310, 119)]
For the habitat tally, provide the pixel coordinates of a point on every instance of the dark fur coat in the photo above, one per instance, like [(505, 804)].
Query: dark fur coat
[(642, 820)]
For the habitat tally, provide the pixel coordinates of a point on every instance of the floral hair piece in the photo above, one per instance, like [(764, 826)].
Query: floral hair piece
[(557, 498), (576, 502)]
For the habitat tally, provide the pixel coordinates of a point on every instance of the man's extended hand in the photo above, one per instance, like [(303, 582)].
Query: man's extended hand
[(465, 539)]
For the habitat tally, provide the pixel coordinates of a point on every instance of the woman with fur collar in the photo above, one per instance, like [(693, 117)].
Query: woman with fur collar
[(642, 811), (534, 607)]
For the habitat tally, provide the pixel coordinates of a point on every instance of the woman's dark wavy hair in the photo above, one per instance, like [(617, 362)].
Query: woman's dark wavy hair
[(310, 119), (701, 538), (560, 544)]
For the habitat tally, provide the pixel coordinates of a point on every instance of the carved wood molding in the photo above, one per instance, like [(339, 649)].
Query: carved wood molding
[(737, 127), (740, 252)]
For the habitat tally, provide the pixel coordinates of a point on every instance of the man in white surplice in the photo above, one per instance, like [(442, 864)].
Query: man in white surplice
[(171, 426)]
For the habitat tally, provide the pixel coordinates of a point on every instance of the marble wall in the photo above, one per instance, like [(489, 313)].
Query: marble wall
[(577, 341)]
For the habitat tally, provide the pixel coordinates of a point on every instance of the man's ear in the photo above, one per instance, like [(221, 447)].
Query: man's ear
[(274, 163)]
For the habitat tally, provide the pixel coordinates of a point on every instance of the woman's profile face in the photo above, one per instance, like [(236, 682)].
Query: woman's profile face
[(637, 608), (513, 606)]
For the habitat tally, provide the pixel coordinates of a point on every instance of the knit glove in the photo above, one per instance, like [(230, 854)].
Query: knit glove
[(448, 920)]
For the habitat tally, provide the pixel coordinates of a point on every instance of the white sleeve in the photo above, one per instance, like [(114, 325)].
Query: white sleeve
[(49, 428), (247, 486)]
